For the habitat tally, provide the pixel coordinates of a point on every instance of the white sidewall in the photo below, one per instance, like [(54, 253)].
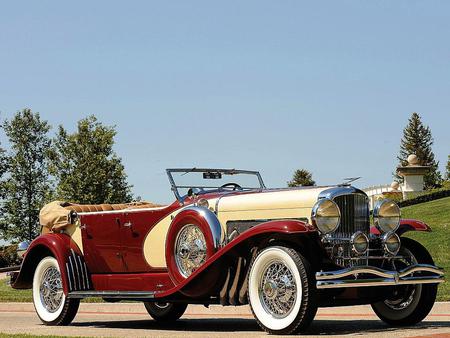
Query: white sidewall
[(42, 312), (256, 274)]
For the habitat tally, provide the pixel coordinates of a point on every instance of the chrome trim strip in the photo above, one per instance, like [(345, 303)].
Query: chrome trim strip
[(326, 275), (83, 278), (377, 282), (214, 224), (113, 294), (69, 276), (87, 276), (333, 279)]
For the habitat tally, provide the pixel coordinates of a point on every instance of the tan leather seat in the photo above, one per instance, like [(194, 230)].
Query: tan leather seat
[(110, 207)]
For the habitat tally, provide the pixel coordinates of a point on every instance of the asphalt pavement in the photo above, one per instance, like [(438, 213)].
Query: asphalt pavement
[(131, 320)]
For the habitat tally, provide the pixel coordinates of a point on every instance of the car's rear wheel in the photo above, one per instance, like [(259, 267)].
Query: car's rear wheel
[(165, 312), (408, 304), (50, 302), (281, 290)]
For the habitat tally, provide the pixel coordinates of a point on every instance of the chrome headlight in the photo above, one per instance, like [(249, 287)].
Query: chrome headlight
[(386, 215), (391, 242), (325, 216), (360, 242)]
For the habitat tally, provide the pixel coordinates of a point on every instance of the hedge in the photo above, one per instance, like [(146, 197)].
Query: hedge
[(425, 198)]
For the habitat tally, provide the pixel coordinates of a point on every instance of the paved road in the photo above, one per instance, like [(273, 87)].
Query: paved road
[(131, 320)]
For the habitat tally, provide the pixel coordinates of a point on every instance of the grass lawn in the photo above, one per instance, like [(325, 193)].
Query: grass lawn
[(8, 294), (435, 213)]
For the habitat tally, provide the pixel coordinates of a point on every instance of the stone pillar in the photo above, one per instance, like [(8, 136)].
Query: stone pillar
[(412, 176)]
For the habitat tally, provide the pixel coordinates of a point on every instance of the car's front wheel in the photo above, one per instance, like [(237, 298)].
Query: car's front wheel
[(165, 312), (50, 302), (408, 304), (281, 290)]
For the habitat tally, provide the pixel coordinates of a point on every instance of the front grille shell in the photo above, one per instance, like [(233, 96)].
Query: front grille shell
[(354, 207)]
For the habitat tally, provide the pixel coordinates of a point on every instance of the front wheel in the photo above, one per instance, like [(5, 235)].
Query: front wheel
[(408, 304), (281, 290), (165, 312), (50, 302)]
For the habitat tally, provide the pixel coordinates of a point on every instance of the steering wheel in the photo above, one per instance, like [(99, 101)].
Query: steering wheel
[(234, 186)]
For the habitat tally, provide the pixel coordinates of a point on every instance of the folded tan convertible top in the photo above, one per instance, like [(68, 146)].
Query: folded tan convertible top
[(55, 216)]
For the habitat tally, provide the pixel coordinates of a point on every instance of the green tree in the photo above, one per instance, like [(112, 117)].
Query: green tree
[(417, 139), (27, 185), (85, 166), (302, 177)]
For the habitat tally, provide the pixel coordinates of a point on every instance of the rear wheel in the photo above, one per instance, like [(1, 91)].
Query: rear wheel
[(50, 302), (408, 304), (165, 312), (281, 290)]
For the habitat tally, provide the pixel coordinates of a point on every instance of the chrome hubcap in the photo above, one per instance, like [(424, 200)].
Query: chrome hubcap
[(50, 290), (190, 249), (277, 289)]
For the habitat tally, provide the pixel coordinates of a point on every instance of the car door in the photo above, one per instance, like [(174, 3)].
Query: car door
[(102, 243), (134, 230)]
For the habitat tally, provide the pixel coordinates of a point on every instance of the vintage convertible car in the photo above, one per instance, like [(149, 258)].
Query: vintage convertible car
[(229, 240)]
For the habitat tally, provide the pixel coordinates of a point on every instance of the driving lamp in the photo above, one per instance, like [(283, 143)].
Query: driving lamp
[(391, 243), (325, 216), (386, 215), (360, 242)]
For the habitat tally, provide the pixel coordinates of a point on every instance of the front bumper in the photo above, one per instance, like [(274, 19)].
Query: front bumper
[(360, 276)]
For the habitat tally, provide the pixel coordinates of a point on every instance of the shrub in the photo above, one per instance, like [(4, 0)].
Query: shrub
[(8, 256)]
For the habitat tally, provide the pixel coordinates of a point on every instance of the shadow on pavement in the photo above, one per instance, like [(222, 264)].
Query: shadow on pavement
[(318, 327)]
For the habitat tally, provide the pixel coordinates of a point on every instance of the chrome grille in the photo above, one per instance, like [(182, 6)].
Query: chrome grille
[(354, 214), (354, 217)]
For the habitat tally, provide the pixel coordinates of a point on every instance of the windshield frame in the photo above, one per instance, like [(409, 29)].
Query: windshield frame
[(175, 187)]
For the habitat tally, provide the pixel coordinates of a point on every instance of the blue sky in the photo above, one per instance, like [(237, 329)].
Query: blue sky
[(268, 85)]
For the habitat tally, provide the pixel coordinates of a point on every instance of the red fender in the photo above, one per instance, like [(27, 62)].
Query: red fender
[(58, 245), (291, 227), (208, 223), (406, 225)]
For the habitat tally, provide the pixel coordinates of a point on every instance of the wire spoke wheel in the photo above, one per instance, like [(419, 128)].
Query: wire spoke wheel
[(408, 304), (403, 296), (280, 290), (51, 291), (190, 249), (52, 306), (277, 289)]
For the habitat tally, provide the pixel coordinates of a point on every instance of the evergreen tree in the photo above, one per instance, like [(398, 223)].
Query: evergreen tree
[(302, 177), (27, 185), (417, 139), (86, 168)]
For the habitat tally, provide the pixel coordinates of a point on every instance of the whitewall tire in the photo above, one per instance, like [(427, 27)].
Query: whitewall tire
[(50, 302), (281, 291)]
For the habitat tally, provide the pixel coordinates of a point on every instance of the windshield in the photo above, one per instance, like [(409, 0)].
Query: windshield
[(208, 180)]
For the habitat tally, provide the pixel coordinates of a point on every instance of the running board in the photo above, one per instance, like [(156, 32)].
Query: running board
[(113, 294)]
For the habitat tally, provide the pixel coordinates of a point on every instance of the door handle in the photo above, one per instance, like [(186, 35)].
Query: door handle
[(128, 225)]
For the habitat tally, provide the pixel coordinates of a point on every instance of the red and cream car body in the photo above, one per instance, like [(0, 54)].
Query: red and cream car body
[(283, 251)]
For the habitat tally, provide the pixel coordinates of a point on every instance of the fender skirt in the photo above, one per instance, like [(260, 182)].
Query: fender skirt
[(406, 225), (278, 227), (74, 273)]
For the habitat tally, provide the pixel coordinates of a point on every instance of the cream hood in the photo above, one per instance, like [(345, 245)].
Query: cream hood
[(268, 204)]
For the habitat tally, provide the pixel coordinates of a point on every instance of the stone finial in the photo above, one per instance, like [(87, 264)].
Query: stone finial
[(413, 159), (395, 185)]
